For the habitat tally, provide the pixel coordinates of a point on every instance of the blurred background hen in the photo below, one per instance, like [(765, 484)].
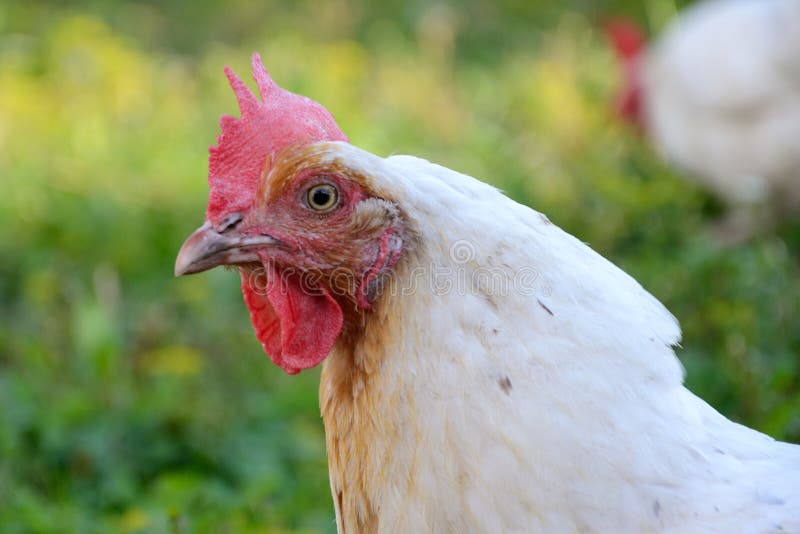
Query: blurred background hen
[(718, 95), (135, 402)]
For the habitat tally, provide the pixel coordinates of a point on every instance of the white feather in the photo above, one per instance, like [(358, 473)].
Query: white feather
[(722, 97), (557, 406)]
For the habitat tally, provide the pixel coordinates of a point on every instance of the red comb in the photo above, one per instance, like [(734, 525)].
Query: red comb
[(265, 127), (626, 36)]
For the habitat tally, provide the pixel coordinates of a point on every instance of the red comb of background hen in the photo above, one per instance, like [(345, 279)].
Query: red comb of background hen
[(266, 126), (628, 41), (626, 36)]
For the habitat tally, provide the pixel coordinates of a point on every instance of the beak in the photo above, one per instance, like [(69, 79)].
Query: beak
[(206, 248)]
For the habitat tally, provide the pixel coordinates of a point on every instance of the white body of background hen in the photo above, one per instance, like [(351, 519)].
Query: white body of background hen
[(721, 98), (554, 406)]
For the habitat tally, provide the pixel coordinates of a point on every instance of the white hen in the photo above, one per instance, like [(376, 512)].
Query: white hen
[(501, 377), (719, 95)]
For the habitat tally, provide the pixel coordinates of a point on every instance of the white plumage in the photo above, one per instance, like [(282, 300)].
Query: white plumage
[(721, 98), (483, 370), (556, 407)]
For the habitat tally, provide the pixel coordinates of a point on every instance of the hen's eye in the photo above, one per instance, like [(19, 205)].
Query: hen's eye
[(322, 197)]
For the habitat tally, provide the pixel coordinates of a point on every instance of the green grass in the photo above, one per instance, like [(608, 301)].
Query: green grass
[(131, 401)]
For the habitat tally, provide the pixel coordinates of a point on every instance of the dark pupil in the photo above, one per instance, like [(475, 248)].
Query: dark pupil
[(321, 197)]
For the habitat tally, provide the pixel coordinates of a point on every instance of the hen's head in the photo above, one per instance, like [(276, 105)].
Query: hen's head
[(312, 237), (628, 41)]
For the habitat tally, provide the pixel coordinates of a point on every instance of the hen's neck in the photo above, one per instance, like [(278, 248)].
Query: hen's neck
[(367, 409)]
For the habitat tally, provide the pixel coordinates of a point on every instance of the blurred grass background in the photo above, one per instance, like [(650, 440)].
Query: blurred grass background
[(134, 402)]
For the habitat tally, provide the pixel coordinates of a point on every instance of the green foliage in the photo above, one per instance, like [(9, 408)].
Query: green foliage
[(135, 402)]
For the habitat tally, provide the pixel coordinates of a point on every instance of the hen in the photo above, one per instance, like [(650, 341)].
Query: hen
[(719, 95), (483, 371)]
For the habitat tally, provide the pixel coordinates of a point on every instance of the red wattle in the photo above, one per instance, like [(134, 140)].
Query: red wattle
[(296, 325)]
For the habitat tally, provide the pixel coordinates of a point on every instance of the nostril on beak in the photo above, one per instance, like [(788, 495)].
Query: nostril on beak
[(229, 222)]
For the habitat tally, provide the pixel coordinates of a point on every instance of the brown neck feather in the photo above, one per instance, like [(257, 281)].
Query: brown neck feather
[(364, 408)]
